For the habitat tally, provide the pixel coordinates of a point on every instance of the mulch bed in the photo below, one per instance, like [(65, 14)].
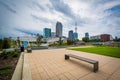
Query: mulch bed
[(10, 61)]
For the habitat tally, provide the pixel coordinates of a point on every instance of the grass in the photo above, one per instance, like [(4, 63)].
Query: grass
[(5, 73), (5, 70), (107, 51), (5, 67)]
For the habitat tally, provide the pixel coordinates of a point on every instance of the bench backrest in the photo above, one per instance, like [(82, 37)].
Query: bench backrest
[(82, 58)]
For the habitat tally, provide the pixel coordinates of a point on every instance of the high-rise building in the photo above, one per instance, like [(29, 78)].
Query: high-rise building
[(46, 32), (59, 29), (87, 35), (70, 35), (75, 36)]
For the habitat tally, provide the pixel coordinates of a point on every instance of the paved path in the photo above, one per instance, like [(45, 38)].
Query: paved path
[(51, 65)]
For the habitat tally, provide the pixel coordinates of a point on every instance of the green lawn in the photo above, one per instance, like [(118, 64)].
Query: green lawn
[(108, 51)]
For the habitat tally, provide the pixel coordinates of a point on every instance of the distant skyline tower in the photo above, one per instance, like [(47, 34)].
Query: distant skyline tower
[(70, 35), (75, 34), (59, 29), (76, 27), (47, 32), (87, 35)]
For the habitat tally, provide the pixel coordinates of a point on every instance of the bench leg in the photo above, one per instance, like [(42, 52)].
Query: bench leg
[(66, 57), (96, 67)]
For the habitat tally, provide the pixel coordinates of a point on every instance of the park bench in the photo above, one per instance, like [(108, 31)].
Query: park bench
[(95, 63), (29, 50)]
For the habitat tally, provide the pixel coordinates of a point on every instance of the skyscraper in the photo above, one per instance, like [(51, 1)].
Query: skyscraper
[(58, 29), (46, 32), (75, 34), (87, 35), (70, 35)]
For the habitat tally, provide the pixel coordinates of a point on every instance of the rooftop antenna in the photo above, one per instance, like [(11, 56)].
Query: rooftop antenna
[(75, 26)]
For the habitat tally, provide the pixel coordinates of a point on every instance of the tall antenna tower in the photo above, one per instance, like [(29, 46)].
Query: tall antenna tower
[(76, 27)]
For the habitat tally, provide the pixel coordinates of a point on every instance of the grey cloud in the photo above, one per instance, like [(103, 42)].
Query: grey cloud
[(50, 8), (62, 7), (28, 32), (8, 7), (38, 5), (40, 18), (115, 11)]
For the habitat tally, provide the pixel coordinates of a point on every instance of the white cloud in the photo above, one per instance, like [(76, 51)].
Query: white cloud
[(34, 15)]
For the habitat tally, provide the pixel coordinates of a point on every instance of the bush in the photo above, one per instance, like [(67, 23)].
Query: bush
[(5, 43), (0, 44), (15, 54), (69, 42), (85, 39), (5, 54)]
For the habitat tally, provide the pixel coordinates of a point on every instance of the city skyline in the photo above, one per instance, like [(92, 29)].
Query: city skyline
[(26, 17), (59, 29)]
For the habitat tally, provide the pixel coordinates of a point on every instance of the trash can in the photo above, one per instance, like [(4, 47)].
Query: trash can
[(22, 48)]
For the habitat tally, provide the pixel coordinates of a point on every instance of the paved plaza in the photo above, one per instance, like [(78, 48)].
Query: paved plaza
[(50, 64)]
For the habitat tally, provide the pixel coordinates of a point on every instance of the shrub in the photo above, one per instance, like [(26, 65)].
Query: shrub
[(4, 55), (1, 44), (6, 43), (15, 54)]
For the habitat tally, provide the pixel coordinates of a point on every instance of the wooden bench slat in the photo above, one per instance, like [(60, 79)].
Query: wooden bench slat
[(83, 59), (94, 62)]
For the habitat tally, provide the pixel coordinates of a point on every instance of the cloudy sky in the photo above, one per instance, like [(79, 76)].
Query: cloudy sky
[(26, 17)]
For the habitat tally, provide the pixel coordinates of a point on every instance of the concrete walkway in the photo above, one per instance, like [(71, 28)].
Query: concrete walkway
[(51, 65)]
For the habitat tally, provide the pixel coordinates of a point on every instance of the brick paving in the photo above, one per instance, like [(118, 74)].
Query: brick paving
[(50, 64)]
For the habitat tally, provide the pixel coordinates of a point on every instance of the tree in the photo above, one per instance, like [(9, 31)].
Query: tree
[(70, 42), (60, 41), (1, 41), (6, 43), (116, 39), (18, 41), (85, 39), (96, 40), (38, 39)]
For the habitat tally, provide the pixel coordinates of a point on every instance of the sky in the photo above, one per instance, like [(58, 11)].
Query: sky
[(26, 17)]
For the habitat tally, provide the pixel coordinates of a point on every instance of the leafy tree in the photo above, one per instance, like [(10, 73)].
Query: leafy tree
[(60, 41), (85, 39), (69, 42), (1, 43), (38, 39), (116, 39), (6, 43), (96, 40), (18, 41)]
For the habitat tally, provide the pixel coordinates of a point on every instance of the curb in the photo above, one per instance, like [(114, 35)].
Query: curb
[(22, 70), (17, 75), (26, 75)]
